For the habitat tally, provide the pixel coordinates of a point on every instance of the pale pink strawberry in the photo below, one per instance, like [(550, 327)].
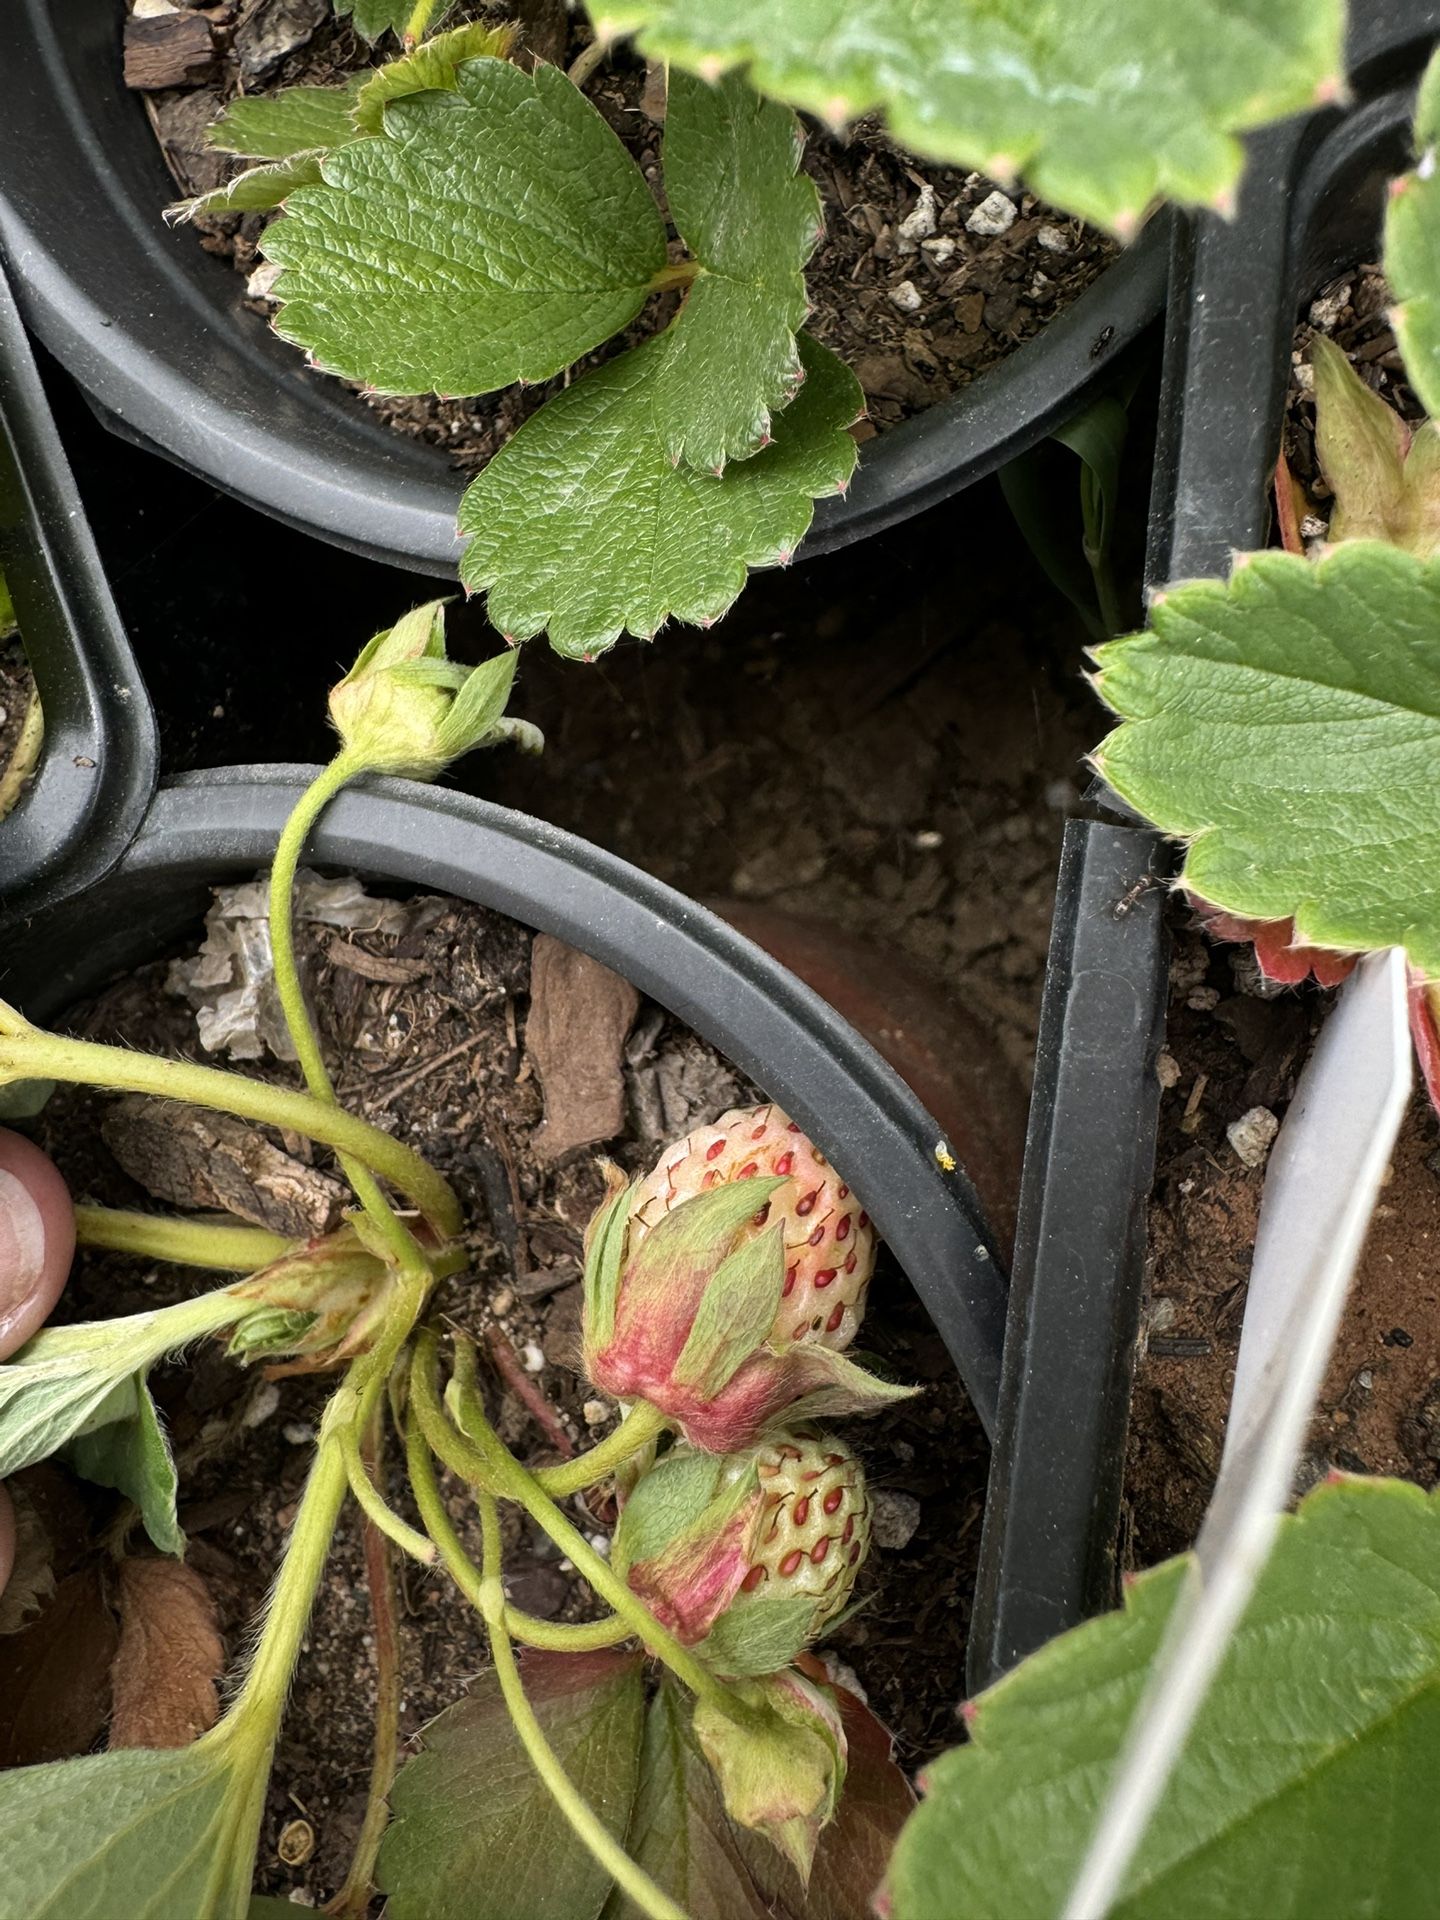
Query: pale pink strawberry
[(730, 1545), (829, 1241)]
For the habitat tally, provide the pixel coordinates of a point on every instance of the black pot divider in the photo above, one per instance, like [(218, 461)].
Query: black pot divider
[(210, 827), (1310, 206), (153, 329), (98, 762)]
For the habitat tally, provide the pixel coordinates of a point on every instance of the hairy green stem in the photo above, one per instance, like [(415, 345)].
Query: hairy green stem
[(554, 1636), (567, 1636), (377, 1510), (28, 1054), (262, 1696), (418, 25), (477, 1454), (352, 1902), (291, 990), (642, 1424), (186, 1243), (588, 1827)]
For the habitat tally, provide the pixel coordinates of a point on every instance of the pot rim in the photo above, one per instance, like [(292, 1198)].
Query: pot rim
[(145, 321), (206, 827)]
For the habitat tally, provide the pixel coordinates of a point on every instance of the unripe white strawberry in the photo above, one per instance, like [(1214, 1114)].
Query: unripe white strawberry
[(749, 1557), (829, 1241)]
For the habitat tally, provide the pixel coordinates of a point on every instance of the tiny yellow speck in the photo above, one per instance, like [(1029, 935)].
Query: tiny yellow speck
[(943, 1157)]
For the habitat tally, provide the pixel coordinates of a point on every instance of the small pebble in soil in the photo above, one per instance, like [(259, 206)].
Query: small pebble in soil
[(501, 1301), (1167, 1070), (994, 215), (1053, 239), (298, 1433), (1252, 1135), (940, 251), (920, 224), (1327, 309), (533, 1357), (1398, 1337), (596, 1413), (894, 1519), (263, 1402), (905, 297)]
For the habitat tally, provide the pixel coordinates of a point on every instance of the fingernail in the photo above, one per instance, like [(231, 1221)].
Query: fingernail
[(22, 1249)]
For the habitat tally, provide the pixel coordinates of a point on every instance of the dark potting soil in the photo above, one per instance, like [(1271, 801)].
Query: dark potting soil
[(916, 315), (425, 1021), (1233, 1044)]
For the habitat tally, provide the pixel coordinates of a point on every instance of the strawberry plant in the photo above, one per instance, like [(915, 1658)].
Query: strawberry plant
[(719, 1294), (1282, 724), (454, 223)]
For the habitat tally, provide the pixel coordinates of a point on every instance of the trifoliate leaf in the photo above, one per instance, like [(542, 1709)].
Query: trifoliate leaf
[(374, 17), (751, 220), (476, 1832), (1102, 108), (1306, 1786), (430, 68), (147, 1834), (581, 523), (1412, 250), (296, 120), (492, 234), (1286, 724), (254, 191)]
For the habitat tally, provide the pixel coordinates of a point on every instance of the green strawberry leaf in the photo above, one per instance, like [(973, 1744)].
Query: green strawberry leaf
[(475, 1833), (432, 67), (254, 191), (1286, 725), (296, 120), (1412, 250), (1307, 1783), (683, 1838), (453, 255), (751, 219), (147, 1835), (124, 1447), (1102, 108), (1385, 479), (375, 17), (69, 1381), (582, 524)]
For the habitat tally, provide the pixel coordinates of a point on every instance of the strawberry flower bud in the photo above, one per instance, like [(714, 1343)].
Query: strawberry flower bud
[(316, 1307), (780, 1762), (747, 1558), (699, 1300), (405, 708)]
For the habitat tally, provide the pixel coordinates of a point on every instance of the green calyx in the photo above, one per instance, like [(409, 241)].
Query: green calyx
[(405, 708), (780, 1764)]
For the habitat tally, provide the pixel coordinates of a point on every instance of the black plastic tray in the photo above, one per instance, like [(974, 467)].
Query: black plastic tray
[(98, 762), (154, 330), (1310, 205), (214, 826)]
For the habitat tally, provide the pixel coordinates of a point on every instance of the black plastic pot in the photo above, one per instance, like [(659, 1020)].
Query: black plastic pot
[(153, 329), (1311, 204), (210, 827), (98, 763)]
